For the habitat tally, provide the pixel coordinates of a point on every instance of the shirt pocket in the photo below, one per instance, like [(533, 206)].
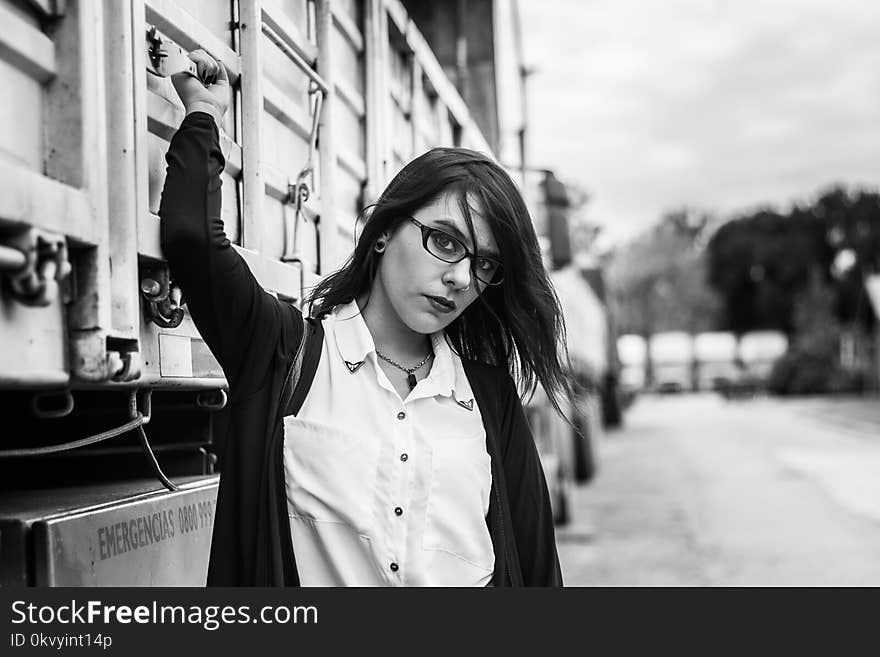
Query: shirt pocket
[(329, 474), (461, 480)]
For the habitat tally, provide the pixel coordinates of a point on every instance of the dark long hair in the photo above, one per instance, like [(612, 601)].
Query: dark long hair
[(517, 324)]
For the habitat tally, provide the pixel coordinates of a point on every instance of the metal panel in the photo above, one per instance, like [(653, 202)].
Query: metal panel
[(278, 134), (52, 183), (214, 16), (21, 120), (24, 45), (105, 536), (300, 13), (350, 120), (468, 133), (32, 351), (433, 127), (400, 78)]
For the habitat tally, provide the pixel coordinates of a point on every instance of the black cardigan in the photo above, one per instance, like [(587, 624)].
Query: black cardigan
[(255, 338)]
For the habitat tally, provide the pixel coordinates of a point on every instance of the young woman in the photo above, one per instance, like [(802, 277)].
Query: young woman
[(410, 461)]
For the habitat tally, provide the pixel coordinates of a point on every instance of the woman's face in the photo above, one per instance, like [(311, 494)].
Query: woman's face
[(426, 293)]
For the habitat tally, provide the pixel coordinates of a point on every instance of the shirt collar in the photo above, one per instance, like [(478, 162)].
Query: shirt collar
[(352, 335), (355, 343)]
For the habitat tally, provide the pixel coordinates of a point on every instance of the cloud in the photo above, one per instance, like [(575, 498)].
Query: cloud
[(651, 105)]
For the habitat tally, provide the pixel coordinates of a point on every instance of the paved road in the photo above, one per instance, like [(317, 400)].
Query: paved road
[(699, 491)]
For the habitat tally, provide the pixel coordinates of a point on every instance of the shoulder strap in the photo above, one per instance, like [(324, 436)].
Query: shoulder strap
[(304, 366), (300, 374)]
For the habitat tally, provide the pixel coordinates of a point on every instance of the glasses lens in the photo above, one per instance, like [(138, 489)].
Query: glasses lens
[(449, 249), (489, 271), (445, 246)]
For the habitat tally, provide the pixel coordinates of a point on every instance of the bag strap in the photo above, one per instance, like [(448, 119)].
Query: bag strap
[(304, 366), (300, 374)]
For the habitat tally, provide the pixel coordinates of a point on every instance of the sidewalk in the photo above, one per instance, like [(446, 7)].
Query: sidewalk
[(696, 490), (859, 415)]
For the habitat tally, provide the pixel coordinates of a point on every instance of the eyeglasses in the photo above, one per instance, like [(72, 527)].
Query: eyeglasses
[(447, 248)]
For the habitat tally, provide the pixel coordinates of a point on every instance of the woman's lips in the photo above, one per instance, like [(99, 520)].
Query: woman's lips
[(440, 304)]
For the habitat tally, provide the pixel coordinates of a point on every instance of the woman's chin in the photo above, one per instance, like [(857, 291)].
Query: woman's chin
[(427, 323)]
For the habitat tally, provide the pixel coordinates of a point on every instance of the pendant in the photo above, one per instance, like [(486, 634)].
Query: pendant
[(411, 380)]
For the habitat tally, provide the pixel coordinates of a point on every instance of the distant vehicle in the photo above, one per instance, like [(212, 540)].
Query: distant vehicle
[(715, 353), (553, 438), (758, 350), (632, 351), (671, 355), (568, 453)]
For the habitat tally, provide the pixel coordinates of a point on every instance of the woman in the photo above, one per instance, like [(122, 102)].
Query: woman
[(409, 461)]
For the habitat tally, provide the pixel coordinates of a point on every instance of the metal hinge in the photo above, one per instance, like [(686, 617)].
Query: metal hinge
[(36, 267)]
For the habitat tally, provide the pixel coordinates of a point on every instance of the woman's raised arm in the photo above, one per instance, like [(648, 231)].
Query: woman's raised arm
[(242, 324)]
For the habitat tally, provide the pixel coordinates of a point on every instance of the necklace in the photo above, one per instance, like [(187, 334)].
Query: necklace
[(411, 377)]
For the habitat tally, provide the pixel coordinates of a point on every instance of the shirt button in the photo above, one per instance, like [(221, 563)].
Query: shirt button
[(398, 511), (401, 415), (393, 567), (404, 457)]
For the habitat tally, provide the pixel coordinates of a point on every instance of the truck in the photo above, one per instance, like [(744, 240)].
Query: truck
[(758, 351), (115, 408), (715, 355), (568, 442), (632, 350), (671, 361)]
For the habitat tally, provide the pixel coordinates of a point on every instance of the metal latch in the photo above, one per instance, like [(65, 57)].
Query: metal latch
[(162, 300), (299, 192), (165, 58), (36, 265)]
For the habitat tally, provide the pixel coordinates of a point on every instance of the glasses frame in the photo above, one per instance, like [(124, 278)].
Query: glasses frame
[(427, 231)]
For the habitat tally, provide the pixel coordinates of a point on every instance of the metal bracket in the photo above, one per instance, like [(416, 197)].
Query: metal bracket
[(124, 365), (165, 58), (51, 405), (141, 399), (212, 400), (36, 265)]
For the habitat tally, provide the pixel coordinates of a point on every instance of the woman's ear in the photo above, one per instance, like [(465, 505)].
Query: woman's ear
[(382, 242)]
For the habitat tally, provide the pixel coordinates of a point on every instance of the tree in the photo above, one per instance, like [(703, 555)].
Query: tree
[(761, 263), (852, 221), (657, 282)]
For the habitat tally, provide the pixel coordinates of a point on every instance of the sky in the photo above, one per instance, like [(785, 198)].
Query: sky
[(719, 105)]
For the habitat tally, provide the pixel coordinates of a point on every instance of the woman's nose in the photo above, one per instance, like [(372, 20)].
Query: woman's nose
[(458, 275)]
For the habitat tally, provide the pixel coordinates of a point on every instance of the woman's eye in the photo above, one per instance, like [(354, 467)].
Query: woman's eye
[(486, 265), (444, 242)]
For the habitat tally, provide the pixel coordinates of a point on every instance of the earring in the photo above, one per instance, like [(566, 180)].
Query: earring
[(380, 246)]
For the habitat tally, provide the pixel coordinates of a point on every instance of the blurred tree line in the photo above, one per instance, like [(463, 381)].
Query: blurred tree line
[(658, 281), (801, 272)]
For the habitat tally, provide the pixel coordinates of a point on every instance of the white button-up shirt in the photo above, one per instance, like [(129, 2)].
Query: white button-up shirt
[(383, 491)]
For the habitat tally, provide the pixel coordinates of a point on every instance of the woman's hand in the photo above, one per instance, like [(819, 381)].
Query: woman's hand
[(207, 93)]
